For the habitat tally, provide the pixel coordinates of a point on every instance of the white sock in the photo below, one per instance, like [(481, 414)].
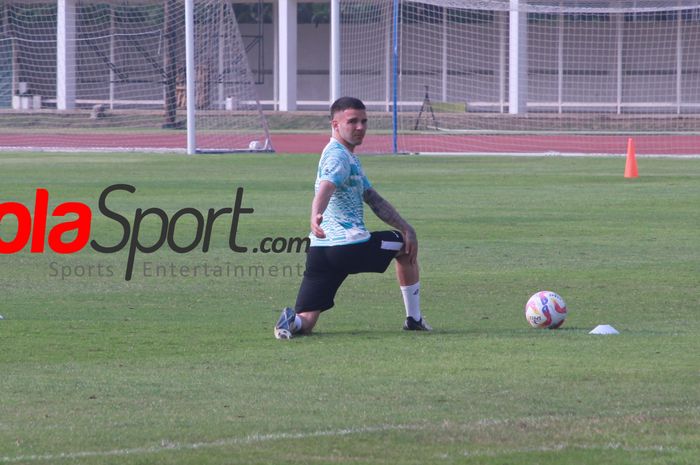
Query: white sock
[(411, 300), (297, 324)]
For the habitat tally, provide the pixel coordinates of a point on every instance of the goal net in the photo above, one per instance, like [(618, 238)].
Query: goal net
[(538, 76), (111, 74)]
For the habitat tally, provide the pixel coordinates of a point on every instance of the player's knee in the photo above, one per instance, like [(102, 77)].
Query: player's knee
[(404, 259)]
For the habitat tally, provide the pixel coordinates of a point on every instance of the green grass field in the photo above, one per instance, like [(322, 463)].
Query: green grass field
[(184, 369)]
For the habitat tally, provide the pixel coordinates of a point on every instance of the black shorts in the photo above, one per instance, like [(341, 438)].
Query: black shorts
[(327, 267)]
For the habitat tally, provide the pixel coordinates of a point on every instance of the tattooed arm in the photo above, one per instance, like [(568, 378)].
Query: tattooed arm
[(387, 213)]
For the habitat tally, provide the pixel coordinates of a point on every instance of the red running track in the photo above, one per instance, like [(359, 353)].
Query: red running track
[(314, 143)]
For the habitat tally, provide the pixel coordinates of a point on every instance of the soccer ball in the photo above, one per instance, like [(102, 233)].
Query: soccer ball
[(545, 309)]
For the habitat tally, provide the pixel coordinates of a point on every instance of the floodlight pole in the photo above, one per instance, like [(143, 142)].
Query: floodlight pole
[(190, 73)]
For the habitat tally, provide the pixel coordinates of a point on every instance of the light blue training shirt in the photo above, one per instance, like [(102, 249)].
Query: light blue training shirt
[(343, 221)]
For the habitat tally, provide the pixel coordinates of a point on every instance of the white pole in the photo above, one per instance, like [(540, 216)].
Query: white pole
[(287, 40), (276, 54), (517, 79), (502, 45), (444, 54), (220, 63), (560, 63), (65, 55), (190, 74), (388, 62), (112, 58), (619, 25), (335, 50), (679, 61)]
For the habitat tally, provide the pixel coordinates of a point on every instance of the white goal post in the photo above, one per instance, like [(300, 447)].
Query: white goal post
[(120, 75), (535, 76)]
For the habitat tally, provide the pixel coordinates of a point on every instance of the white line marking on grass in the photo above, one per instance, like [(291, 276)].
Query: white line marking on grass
[(561, 447), (167, 446), (552, 155)]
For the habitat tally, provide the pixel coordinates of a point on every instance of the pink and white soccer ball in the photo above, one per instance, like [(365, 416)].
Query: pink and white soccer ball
[(546, 309)]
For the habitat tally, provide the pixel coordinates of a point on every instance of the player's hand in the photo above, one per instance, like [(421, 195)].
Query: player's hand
[(316, 226), (410, 244)]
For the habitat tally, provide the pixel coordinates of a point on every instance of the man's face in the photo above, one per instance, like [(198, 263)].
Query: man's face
[(349, 127)]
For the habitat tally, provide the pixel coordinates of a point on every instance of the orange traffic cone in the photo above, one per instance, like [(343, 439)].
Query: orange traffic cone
[(631, 165)]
